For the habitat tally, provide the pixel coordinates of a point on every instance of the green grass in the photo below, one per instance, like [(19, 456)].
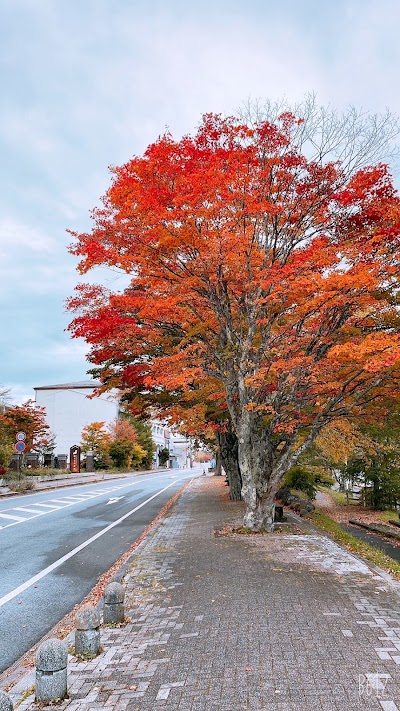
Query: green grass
[(355, 545), (339, 497), (391, 513)]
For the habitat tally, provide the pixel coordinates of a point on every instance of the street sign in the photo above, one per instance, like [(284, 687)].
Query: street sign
[(20, 446), (20, 436)]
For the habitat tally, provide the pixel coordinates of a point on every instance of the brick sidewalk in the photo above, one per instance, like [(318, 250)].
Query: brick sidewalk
[(228, 623)]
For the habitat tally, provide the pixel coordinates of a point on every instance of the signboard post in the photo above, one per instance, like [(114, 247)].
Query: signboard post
[(20, 447), (75, 459)]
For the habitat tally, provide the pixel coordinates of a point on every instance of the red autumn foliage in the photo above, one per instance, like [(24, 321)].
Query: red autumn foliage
[(29, 418), (257, 274)]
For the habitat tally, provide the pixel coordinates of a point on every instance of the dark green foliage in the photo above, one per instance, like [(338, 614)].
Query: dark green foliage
[(301, 479), (102, 459), (145, 440), (163, 456), (380, 475), (121, 452)]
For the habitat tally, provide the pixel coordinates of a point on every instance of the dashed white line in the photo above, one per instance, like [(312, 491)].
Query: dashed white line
[(16, 518), (25, 509), (65, 502), (17, 591)]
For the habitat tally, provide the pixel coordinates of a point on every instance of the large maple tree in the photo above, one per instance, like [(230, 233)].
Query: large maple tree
[(267, 277)]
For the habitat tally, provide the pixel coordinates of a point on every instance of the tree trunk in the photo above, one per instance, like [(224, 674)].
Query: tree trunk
[(229, 455), (255, 462), (218, 463), (261, 466)]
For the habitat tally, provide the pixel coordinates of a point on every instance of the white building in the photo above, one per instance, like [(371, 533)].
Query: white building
[(69, 410), (178, 446)]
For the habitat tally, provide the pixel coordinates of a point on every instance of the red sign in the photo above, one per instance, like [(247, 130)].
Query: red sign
[(20, 446), (75, 459)]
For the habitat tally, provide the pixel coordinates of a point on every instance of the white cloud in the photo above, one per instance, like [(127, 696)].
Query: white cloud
[(16, 235), (89, 84)]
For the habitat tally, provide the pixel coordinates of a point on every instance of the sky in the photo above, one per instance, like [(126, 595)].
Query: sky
[(86, 84)]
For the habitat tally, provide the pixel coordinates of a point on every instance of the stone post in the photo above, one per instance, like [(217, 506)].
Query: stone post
[(87, 632), (5, 702), (51, 671), (113, 611)]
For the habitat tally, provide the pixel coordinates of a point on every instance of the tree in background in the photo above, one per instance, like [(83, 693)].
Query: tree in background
[(144, 440), (6, 448), (375, 462), (268, 270), (125, 450), (46, 446), (163, 456), (29, 418), (4, 398), (96, 439)]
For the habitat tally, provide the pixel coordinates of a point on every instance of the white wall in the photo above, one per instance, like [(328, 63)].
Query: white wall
[(68, 411)]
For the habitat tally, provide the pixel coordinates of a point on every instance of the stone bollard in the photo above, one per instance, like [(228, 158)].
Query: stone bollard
[(5, 702), (51, 670), (113, 611), (87, 632)]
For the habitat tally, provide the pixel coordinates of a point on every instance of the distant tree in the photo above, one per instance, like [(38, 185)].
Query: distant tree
[(163, 456), (29, 418), (46, 446), (121, 452), (122, 428), (376, 465), (125, 450), (6, 448), (96, 439), (125, 454), (4, 398), (144, 440)]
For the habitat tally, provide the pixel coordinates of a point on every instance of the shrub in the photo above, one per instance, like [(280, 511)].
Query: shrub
[(302, 479), (19, 485)]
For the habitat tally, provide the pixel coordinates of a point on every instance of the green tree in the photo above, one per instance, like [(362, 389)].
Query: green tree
[(163, 456), (121, 450), (96, 439), (144, 440), (6, 448)]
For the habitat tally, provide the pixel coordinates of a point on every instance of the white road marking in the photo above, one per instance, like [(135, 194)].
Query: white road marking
[(21, 588), (72, 498), (49, 506), (112, 501), (16, 518), (24, 508), (67, 501)]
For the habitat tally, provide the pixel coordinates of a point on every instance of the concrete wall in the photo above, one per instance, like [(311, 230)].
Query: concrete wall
[(68, 411)]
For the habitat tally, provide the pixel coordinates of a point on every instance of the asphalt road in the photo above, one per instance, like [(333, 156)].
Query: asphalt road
[(54, 545)]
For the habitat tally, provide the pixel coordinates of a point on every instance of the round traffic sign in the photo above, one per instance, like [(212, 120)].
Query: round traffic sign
[(20, 436), (20, 446)]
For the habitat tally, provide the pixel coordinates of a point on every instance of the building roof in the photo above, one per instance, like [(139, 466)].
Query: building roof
[(71, 386)]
